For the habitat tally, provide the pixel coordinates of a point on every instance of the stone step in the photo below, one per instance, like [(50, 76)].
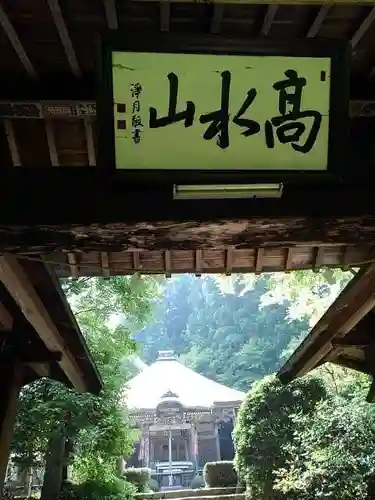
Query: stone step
[(204, 493)]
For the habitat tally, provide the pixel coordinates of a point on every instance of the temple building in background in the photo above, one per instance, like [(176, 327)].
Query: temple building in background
[(185, 420)]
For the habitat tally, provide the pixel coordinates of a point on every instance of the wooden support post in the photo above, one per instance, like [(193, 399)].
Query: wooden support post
[(11, 375)]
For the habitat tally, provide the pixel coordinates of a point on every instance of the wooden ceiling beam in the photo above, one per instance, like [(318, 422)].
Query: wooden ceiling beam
[(217, 17), (90, 142), (318, 21), (165, 16), (17, 45), (111, 14), (268, 19), (65, 87), (6, 319), (41, 369), (12, 143), (364, 27), (50, 133), (352, 305), (23, 292), (64, 37)]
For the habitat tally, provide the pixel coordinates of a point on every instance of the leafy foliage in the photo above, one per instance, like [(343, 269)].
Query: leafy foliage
[(224, 333), (96, 428), (98, 490), (333, 453), (265, 425), (139, 477)]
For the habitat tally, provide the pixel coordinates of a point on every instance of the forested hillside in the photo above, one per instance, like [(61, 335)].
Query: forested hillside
[(239, 329)]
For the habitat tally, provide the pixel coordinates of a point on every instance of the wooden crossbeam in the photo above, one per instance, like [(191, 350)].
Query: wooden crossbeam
[(51, 143), (86, 110), (288, 259), (90, 142), (20, 287), (168, 263), (104, 261), (268, 19), (318, 258), (111, 14), (354, 302), (17, 45), (364, 27), (259, 254), (318, 21), (6, 319), (165, 16), (228, 261), (217, 17), (72, 260), (198, 263), (12, 143), (64, 36)]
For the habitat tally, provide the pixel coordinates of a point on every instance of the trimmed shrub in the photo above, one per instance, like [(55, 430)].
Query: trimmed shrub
[(98, 490), (220, 474), (197, 482), (153, 485), (139, 477)]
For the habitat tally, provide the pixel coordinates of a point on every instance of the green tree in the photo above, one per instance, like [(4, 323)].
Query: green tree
[(333, 453), (95, 430), (266, 425), (221, 328)]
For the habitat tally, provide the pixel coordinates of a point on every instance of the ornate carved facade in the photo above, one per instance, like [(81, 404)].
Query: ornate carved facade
[(180, 437)]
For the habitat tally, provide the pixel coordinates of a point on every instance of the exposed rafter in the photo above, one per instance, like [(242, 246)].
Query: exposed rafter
[(326, 341), (12, 143), (17, 45), (64, 37), (268, 19), (217, 17), (6, 319), (90, 142), (111, 14), (19, 286), (50, 133), (165, 16), (318, 21), (367, 22)]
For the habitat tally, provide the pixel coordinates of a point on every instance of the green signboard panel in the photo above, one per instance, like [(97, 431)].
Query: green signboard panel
[(270, 113), (204, 112)]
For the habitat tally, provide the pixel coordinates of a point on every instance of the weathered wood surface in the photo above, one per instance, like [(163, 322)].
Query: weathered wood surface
[(240, 234), (227, 261), (343, 335)]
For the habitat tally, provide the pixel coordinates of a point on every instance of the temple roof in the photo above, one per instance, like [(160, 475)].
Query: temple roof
[(167, 375)]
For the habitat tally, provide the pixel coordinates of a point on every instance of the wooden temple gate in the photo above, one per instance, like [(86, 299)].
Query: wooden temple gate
[(58, 217)]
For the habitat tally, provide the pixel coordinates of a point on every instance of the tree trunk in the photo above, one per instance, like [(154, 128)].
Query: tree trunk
[(54, 465), (120, 467)]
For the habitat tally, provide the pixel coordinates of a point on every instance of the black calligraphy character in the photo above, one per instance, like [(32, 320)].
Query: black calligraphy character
[(252, 127), (136, 90), (136, 107), (220, 118), (136, 136), (136, 121), (173, 116), (288, 127)]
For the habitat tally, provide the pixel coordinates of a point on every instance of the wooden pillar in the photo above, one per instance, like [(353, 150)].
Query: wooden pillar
[(217, 438), (11, 374), (186, 446)]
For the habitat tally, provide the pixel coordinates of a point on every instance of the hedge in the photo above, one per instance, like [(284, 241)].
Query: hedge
[(197, 482), (220, 474), (140, 477)]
